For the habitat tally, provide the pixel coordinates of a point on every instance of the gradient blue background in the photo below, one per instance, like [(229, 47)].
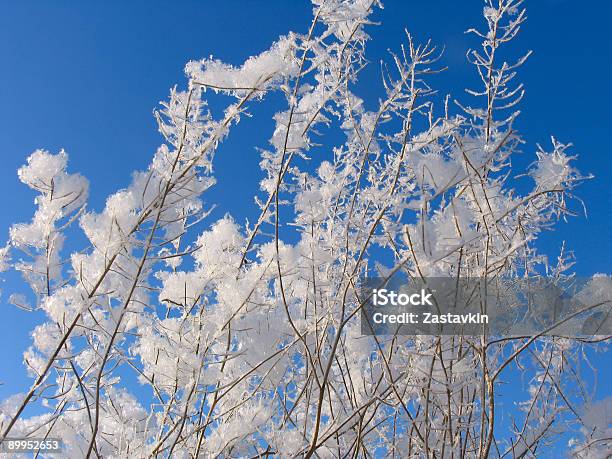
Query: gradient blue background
[(85, 76)]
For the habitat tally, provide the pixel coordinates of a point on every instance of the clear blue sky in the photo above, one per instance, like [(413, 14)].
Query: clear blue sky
[(85, 76)]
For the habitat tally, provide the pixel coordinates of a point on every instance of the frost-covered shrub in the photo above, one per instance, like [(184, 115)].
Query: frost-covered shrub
[(247, 345)]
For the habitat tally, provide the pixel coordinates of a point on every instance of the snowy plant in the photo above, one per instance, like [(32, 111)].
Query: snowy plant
[(246, 345)]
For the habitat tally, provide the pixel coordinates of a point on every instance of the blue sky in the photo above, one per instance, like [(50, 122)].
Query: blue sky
[(85, 76)]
